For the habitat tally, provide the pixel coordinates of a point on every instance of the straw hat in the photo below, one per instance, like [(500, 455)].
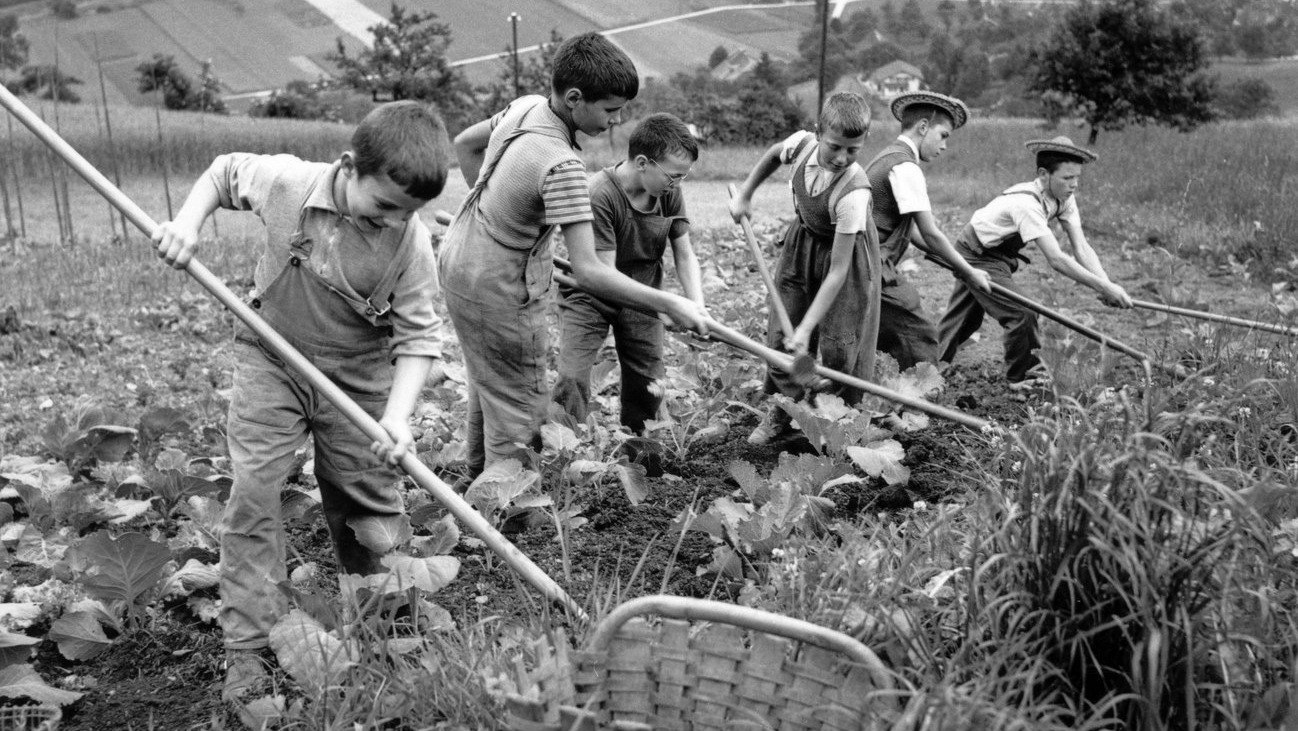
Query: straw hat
[(1062, 145), (954, 107)]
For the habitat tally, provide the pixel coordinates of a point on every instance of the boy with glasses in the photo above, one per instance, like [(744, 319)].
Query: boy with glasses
[(639, 209)]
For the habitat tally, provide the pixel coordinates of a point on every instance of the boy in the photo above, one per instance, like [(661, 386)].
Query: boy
[(993, 240), (638, 208), (902, 213), (345, 276), (496, 260), (824, 275)]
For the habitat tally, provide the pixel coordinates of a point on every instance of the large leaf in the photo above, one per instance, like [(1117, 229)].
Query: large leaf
[(79, 636), (124, 568), (430, 573), (21, 681), (556, 439), (35, 548), (19, 615), (443, 536), (881, 459), (15, 648), (191, 577), (316, 659), (635, 481), (499, 485), (381, 533)]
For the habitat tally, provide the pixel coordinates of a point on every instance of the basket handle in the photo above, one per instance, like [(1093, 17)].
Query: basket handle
[(678, 607)]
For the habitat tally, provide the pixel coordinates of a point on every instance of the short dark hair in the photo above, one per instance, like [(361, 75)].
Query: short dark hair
[(592, 64), (846, 113), (1051, 160), (918, 112), (660, 135), (407, 142)]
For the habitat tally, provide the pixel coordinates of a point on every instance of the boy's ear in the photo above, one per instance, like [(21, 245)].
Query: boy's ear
[(572, 97), (348, 161)]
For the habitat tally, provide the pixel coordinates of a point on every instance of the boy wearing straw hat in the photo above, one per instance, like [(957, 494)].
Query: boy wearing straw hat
[(903, 214), (994, 239)]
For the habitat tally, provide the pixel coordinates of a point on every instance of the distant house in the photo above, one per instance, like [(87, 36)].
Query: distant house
[(736, 64), (804, 94), (894, 78)]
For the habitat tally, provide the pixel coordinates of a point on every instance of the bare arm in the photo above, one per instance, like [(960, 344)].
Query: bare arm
[(927, 236), (1061, 262), (1081, 249), (840, 260), (471, 150), (408, 378), (687, 268), (598, 277), (767, 164), (176, 239)]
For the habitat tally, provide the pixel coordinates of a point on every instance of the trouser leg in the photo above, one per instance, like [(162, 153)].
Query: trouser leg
[(583, 333), (266, 426), (904, 332), (639, 341)]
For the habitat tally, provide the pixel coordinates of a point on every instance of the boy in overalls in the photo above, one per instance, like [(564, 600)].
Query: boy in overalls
[(902, 214), (496, 260), (347, 276), (828, 271), (639, 208), (993, 242)]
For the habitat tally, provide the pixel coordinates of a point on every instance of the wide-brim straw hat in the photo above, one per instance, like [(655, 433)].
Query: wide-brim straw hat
[(957, 109), (1062, 145)]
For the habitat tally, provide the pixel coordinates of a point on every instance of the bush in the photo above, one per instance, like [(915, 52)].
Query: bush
[(1249, 99), (298, 100)]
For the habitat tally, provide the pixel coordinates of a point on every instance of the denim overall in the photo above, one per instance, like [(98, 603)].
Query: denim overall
[(848, 327), (964, 311), (501, 326), (273, 409)]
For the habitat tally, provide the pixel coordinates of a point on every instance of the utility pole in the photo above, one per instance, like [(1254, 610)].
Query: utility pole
[(513, 20), (824, 41)]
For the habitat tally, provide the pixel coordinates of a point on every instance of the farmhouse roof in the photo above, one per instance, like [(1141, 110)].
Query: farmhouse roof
[(893, 68)]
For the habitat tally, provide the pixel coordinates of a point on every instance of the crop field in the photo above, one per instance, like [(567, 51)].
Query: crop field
[(1117, 550)]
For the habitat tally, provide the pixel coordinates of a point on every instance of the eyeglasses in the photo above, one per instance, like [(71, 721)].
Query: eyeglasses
[(671, 179)]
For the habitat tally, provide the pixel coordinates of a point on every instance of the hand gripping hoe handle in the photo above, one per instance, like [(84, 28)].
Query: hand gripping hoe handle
[(418, 471)]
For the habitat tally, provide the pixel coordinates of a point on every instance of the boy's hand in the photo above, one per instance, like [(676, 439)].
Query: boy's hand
[(437, 374), (1115, 296), (689, 315), (799, 343), (402, 440), (175, 243), (979, 280), (739, 208)]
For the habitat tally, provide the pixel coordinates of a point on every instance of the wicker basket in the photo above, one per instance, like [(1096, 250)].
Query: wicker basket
[(744, 669), (30, 718)]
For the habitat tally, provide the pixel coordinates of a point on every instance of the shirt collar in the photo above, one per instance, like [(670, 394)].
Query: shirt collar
[(322, 195), (556, 120), (910, 144)]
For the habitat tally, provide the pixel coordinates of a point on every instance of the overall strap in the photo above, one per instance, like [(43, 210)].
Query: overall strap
[(380, 300)]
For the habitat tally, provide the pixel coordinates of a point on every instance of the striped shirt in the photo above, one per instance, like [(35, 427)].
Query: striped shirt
[(565, 193)]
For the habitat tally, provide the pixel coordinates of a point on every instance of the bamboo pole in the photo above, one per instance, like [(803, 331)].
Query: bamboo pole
[(18, 186), (108, 130), (417, 470), (56, 92), (1213, 317)]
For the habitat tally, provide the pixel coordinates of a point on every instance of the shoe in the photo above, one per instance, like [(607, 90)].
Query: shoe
[(246, 676), (776, 425)]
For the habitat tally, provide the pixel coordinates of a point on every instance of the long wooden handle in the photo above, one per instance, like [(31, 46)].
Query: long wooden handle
[(777, 304), (417, 470), (1213, 317), (786, 362)]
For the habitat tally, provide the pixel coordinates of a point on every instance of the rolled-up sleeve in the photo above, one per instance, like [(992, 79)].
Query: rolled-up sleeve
[(416, 328), (243, 180)]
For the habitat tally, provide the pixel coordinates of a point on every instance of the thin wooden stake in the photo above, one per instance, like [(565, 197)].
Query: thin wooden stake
[(108, 129), (162, 150), (112, 218), (4, 190), (54, 184), (56, 91), (18, 187)]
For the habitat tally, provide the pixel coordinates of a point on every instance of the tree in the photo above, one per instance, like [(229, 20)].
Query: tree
[(179, 91), (956, 69), (1253, 42), (1121, 62), (1249, 99), (63, 9), (534, 73), (48, 82), (946, 12), (13, 45), (297, 100), (407, 61), (718, 55)]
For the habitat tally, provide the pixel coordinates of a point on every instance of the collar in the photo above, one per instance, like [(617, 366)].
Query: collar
[(322, 191), (914, 150), (557, 119)]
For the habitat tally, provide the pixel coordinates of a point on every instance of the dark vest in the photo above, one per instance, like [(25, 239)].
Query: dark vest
[(887, 216), (814, 211)]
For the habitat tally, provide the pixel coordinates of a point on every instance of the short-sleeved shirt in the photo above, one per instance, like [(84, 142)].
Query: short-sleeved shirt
[(639, 237), (562, 189), (851, 213), (349, 256), (1019, 210), (909, 187)]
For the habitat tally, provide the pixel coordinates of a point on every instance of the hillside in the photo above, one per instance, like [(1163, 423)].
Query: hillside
[(256, 45)]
